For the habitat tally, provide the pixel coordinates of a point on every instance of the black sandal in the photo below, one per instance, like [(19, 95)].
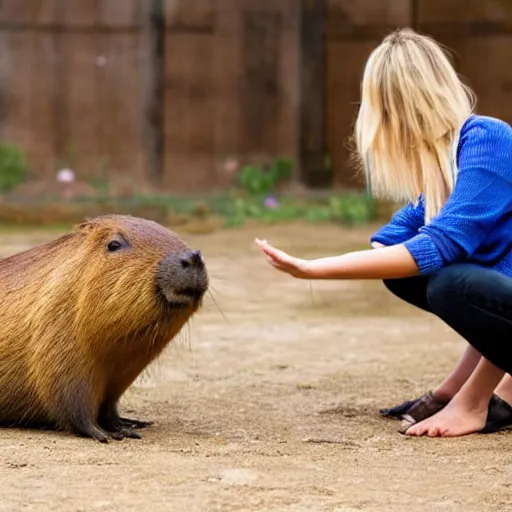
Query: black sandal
[(397, 411), (499, 416), (423, 408), (430, 405)]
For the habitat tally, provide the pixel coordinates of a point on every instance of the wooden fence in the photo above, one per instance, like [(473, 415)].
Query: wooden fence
[(109, 87), (171, 91), (479, 32)]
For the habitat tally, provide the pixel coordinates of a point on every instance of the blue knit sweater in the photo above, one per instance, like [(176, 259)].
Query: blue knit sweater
[(475, 223)]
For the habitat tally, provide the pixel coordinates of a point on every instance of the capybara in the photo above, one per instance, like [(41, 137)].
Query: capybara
[(83, 315)]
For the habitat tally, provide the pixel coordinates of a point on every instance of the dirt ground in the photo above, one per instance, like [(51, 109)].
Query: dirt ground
[(269, 402)]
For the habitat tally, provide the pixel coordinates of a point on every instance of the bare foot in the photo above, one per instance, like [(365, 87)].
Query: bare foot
[(456, 419)]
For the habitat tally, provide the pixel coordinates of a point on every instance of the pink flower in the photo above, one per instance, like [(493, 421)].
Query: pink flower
[(65, 176), (230, 166), (271, 202)]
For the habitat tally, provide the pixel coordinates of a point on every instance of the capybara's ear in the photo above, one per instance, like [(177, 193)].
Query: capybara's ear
[(87, 225)]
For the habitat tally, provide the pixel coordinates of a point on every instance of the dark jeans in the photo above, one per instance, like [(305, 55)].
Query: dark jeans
[(474, 301)]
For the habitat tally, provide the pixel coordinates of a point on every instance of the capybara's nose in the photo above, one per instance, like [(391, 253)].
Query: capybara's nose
[(183, 275), (191, 259)]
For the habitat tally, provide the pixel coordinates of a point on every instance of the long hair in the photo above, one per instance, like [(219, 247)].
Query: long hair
[(413, 105)]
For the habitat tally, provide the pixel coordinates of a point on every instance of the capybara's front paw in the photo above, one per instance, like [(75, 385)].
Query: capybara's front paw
[(93, 432), (123, 433), (129, 423)]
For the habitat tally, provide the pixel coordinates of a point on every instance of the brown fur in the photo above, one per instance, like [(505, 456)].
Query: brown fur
[(78, 323)]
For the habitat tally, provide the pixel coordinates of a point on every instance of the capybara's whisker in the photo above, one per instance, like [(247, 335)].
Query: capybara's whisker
[(84, 315), (217, 277), (187, 335), (216, 304)]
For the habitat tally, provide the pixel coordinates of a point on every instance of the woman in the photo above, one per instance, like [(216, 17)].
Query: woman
[(449, 250)]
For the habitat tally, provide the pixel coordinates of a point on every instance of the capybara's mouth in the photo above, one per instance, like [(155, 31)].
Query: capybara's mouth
[(179, 301), (191, 293)]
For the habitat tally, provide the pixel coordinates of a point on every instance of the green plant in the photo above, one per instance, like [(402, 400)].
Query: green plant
[(353, 209), (260, 180), (13, 167), (235, 209)]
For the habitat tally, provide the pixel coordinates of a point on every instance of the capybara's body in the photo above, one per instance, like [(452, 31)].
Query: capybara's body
[(83, 315)]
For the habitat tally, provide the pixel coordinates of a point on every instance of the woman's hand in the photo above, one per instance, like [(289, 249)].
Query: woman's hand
[(393, 262), (282, 261)]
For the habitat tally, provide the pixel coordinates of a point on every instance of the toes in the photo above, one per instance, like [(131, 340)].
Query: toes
[(419, 429), (123, 433), (131, 434), (101, 438), (433, 432), (413, 431), (91, 431), (129, 423)]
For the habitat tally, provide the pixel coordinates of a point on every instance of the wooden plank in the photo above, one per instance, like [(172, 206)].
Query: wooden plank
[(497, 12), (122, 13), (46, 11), (485, 65), (81, 12), (26, 94), (78, 132), (227, 61), (289, 125), (189, 113), (368, 12), (153, 73), (43, 115), (260, 88), (60, 97), (7, 47), (16, 73), (14, 11), (120, 116), (314, 171), (345, 64), (266, 5), (199, 14)]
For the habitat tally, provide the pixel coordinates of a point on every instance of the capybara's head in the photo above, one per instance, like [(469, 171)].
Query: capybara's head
[(121, 275)]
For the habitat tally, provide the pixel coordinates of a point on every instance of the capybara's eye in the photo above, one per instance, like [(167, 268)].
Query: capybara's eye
[(114, 245)]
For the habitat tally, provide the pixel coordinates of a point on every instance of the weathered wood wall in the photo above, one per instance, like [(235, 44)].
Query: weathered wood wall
[(78, 86), (478, 31), (108, 88), (70, 84)]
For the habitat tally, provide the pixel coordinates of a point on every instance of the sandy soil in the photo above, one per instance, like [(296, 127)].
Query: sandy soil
[(272, 405)]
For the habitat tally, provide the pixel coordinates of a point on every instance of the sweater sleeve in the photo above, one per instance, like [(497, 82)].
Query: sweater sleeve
[(404, 224), (481, 197)]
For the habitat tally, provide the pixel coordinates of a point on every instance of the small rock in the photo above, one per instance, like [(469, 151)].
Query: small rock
[(238, 476)]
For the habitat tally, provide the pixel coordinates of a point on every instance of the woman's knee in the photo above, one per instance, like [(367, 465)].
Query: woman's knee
[(398, 287), (393, 285), (403, 286), (411, 290), (453, 283)]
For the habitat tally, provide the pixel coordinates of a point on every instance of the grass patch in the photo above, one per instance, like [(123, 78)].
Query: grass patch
[(233, 209)]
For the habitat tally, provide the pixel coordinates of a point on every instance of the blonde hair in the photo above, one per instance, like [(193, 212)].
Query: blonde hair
[(413, 105)]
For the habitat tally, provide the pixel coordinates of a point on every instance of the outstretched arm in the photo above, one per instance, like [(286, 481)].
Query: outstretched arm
[(404, 224), (387, 263)]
